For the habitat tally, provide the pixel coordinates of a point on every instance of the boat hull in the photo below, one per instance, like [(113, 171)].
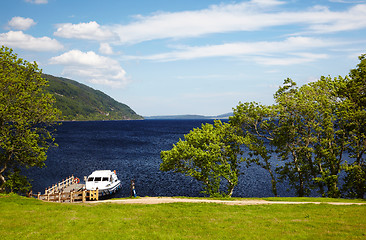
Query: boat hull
[(109, 191)]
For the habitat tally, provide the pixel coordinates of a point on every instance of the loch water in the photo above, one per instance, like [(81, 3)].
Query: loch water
[(132, 148)]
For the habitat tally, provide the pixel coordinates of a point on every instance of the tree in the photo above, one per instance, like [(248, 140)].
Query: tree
[(257, 123), (310, 136), (26, 117), (292, 136), (305, 129), (210, 155), (353, 92)]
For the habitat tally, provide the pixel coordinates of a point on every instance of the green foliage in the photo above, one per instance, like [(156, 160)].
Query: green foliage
[(309, 137), (26, 116), (257, 122), (354, 94), (80, 102), (310, 129), (208, 154), (17, 183), (354, 186)]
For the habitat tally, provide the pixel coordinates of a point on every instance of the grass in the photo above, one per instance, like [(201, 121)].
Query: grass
[(313, 199), (289, 199), (32, 219)]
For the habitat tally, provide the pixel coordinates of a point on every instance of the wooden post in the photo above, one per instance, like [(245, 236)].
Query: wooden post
[(97, 194), (84, 191), (48, 197), (71, 195), (39, 195), (59, 196)]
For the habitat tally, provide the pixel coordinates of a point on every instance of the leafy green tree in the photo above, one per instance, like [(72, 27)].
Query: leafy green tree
[(26, 117), (304, 129), (293, 136), (353, 92), (210, 155), (310, 136), (257, 123), (330, 131)]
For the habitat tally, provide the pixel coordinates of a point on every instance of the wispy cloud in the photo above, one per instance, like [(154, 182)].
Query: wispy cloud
[(254, 15), (293, 45), (91, 67), (215, 19), (351, 19), (348, 1), (290, 59), (37, 1), (17, 39), (246, 16)]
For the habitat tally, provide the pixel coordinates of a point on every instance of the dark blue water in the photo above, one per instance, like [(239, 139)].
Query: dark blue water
[(132, 148)]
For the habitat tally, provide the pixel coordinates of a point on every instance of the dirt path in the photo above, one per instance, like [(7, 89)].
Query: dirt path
[(160, 200)]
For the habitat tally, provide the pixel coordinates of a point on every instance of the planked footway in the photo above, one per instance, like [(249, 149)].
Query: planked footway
[(68, 190)]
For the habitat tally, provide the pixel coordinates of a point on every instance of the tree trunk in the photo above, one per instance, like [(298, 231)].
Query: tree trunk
[(273, 182), (2, 178), (230, 189)]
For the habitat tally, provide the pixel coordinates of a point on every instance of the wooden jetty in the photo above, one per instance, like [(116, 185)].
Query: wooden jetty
[(68, 190)]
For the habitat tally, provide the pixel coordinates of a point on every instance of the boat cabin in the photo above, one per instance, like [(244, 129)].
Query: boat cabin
[(101, 179)]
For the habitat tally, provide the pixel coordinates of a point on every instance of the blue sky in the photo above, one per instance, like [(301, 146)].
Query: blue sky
[(166, 57)]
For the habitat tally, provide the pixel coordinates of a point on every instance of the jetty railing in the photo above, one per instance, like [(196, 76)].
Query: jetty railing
[(58, 187), (73, 196)]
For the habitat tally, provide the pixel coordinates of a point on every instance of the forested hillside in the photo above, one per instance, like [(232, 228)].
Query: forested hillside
[(80, 102)]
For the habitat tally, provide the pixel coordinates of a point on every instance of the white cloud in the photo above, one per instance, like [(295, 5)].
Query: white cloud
[(91, 30), (290, 60), (347, 1), (106, 49), (216, 19), (20, 23), (252, 15), (37, 1), (293, 45), (352, 19), (17, 39), (92, 68)]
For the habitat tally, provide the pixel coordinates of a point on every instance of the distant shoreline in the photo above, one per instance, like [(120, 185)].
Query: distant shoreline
[(173, 117), (189, 116)]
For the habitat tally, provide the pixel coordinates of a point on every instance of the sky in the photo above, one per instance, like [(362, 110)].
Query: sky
[(170, 57)]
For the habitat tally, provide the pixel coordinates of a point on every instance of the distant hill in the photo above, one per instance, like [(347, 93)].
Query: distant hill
[(223, 116), (80, 102)]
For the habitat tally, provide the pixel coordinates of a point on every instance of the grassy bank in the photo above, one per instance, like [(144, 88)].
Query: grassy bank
[(29, 218)]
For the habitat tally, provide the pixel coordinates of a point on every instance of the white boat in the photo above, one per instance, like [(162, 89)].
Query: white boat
[(106, 181)]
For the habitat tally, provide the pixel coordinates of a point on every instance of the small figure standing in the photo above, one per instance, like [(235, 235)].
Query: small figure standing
[(133, 190)]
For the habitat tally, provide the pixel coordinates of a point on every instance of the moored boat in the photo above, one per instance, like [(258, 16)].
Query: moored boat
[(105, 181)]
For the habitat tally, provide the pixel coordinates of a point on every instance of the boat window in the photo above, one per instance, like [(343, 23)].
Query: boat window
[(97, 179), (90, 179), (105, 179)]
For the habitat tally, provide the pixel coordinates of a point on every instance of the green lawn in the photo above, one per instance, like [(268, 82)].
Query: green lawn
[(22, 218)]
